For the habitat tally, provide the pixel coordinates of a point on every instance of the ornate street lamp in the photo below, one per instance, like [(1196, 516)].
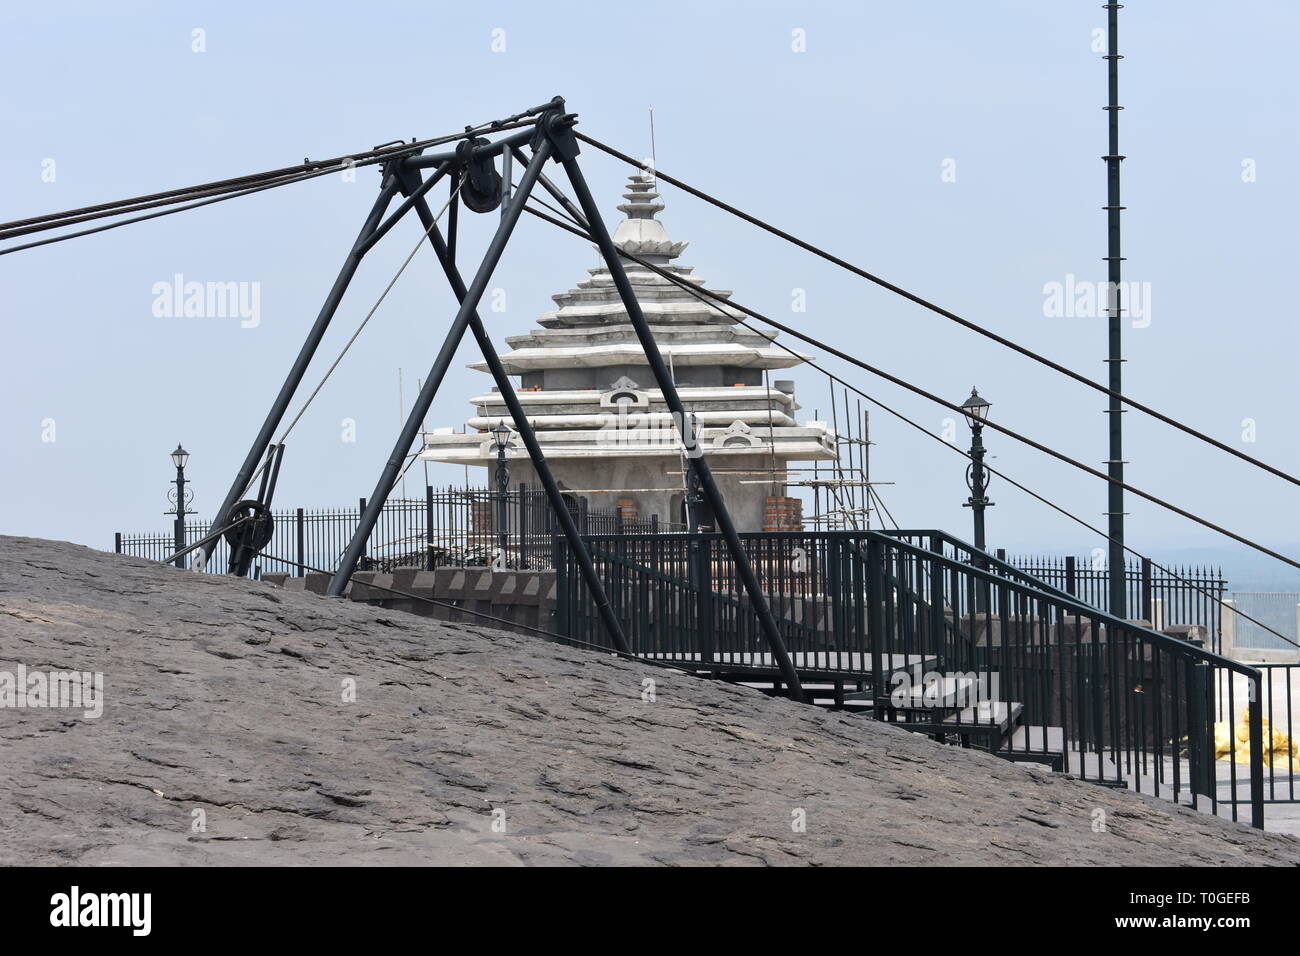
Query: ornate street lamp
[(178, 497), (976, 410), (502, 436), (694, 494)]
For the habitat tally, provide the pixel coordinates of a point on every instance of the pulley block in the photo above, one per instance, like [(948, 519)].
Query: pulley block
[(481, 191)]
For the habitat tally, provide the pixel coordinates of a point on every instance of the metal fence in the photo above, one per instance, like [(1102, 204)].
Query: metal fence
[(1275, 609), (1281, 751), (1188, 595), (458, 527), (906, 623)]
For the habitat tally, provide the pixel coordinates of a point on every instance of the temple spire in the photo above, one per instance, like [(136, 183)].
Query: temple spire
[(641, 234)]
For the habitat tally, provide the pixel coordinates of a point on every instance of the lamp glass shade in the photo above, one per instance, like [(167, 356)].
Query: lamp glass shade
[(975, 407), (180, 456), (502, 435)]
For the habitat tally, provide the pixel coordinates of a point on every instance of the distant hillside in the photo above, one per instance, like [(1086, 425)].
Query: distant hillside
[(1245, 568)]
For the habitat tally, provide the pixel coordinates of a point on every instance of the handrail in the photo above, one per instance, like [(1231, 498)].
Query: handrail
[(1029, 581), (1105, 617), (921, 590), (1010, 569)]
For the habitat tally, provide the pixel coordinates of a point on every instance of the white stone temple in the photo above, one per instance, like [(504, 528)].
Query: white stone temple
[(601, 422)]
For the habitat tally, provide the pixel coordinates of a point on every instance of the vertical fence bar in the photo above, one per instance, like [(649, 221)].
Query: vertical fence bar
[(1256, 754), (876, 585), (429, 525), (1146, 591)]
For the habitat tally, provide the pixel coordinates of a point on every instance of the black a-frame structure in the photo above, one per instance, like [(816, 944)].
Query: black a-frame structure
[(476, 183)]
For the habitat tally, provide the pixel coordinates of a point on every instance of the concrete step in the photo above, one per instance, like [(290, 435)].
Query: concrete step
[(988, 716)]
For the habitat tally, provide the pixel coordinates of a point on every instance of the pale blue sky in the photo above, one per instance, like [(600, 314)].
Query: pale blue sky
[(843, 144)]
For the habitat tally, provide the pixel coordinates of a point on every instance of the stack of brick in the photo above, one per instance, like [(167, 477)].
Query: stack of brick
[(783, 514)]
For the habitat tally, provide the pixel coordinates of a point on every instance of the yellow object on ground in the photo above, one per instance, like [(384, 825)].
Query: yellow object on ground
[(1280, 750)]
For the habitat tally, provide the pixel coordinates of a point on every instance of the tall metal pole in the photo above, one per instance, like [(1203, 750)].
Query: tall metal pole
[(178, 535), (559, 128), (387, 190), (978, 500), (503, 485), (388, 477), (595, 588), (1115, 319)]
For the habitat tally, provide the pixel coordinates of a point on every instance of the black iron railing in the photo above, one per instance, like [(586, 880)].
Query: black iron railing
[(456, 527), (1181, 595), (921, 629), (1281, 750)]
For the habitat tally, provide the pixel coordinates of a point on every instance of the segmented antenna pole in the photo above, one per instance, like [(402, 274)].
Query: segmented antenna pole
[(1115, 319)]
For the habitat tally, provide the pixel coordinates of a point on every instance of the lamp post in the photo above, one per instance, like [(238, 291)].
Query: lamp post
[(502, 435), (977, 410), (179, 457), (694, 495)]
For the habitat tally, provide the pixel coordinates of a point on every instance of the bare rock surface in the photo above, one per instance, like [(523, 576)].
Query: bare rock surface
[(227, 697)]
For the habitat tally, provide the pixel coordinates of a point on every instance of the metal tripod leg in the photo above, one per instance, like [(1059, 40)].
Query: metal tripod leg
[(525, 428), (305, 354), (375, 504), (566, 148)]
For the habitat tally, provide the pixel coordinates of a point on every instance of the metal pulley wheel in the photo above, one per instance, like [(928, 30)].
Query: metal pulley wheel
[(481, 191), (253, 525)]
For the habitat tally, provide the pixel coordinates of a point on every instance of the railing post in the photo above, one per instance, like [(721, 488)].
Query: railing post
[(365, 557), (876, 585), (559, 560), (619, 573), (1146, 591), (300, 523), (1256, 712), (835, 581), (1071, 577), (945, 654), (428, 528), (117, 542), (1200, 731), (522, 525), (701, 558)]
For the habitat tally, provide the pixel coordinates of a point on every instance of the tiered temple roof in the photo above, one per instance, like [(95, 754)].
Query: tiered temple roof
[(588, 390)]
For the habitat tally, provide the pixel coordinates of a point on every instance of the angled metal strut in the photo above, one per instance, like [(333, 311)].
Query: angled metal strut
[(482, 189), (560, 130), (468, 318), (387, 191)]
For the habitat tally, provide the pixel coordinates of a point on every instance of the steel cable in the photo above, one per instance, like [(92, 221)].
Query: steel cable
[(699, 293), (939, 310), (278, 176)]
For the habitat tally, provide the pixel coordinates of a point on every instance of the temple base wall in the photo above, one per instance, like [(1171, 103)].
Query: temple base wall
[(604, 482)]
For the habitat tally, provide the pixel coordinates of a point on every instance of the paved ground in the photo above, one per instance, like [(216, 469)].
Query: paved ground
[(226, 738)]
